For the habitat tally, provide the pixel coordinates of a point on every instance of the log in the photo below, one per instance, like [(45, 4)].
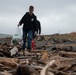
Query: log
[(4, 53), (5, 73), (45, 56), (38, 67), (37, 51), (25, 57), (45, 69), (67, 54), (57, 72), (9, 62)]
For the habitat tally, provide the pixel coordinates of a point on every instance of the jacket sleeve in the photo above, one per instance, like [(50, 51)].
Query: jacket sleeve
[(22, 20), (35, 26), (39, 27)]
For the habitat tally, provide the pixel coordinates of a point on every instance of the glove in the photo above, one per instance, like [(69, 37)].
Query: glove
[(39, 33), (35, 32), (18, 25)]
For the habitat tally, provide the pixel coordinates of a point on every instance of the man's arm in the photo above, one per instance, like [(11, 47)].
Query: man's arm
[(22, 20), (35, 26), (39, 27)]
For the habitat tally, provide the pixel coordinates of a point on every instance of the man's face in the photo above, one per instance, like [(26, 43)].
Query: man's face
[(31, 10)]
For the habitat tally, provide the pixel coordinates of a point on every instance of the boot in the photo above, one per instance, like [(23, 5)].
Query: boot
[(28, 49)]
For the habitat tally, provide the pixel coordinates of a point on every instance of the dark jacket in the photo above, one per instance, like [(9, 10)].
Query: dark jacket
[(29, 22), (38, 27)]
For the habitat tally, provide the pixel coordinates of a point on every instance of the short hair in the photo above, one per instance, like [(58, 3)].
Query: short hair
[(31, 7), (23, 70)]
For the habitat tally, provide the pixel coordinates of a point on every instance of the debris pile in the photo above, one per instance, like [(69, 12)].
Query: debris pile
[(51, 57), (61, 59)]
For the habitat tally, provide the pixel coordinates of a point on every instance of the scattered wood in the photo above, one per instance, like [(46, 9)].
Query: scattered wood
[(8, 61), (45, 69), (45, 56), (67, 54), (38, 60)]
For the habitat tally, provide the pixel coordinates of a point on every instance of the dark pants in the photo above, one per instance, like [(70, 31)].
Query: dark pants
[(30, 33)]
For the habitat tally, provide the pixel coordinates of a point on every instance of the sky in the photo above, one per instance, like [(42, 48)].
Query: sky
[(56, 16)]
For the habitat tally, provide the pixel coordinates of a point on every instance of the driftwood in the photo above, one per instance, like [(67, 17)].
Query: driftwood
[(25, 57), (45, 56), (8, 61), (67, 54), (45, 69), (37, 59), (5, 73), (38, 51), (4, 53)]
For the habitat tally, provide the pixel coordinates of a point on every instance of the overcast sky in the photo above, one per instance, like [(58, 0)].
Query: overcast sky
[(55, 15)]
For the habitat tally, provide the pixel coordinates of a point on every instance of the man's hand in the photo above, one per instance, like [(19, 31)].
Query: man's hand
[(18, 25), (35, 32), (39, 32)]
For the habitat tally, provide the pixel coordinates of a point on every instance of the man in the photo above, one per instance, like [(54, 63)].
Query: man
[(23, 70), (38, 28), (29, 24)]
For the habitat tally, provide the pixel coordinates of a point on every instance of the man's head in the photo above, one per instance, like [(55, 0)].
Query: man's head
[(31, 9), (23, 70)]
